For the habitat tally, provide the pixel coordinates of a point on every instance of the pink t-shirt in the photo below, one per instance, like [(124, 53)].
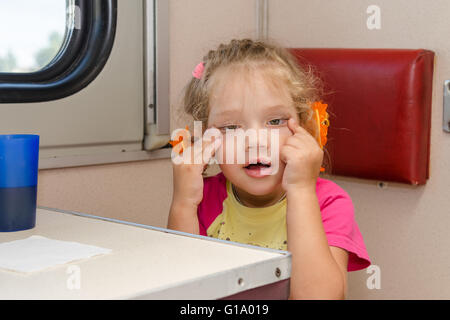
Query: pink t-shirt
[(336, 207)]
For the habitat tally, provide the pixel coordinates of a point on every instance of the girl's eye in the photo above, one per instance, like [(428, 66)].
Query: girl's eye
[(277, 122), (230, 127)]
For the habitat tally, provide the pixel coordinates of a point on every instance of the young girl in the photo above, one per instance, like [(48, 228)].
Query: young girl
[(257, 85)]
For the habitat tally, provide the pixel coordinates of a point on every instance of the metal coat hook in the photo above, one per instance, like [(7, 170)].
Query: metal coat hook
[(446, 113)]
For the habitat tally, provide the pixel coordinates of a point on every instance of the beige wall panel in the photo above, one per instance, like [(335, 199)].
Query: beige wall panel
[(136, 191)]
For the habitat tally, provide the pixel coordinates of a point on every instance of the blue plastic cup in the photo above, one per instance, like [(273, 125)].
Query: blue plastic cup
[(19, 157)]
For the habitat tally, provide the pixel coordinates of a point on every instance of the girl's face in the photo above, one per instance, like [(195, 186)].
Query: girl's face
[(251, 102)]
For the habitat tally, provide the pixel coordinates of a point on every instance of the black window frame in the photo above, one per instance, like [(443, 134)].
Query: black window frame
[(81, 58)]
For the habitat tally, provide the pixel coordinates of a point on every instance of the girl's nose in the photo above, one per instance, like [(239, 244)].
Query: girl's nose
[(258, 140)]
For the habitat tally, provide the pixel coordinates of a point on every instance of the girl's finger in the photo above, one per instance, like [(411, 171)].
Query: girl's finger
[(291, 125), (213, 142), (287, 151), (300, 133), (210, 149), (205, 149), (295, 143), (295, 127), (302, 140)]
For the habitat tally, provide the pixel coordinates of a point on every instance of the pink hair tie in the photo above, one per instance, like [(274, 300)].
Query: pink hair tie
[(197, 73)]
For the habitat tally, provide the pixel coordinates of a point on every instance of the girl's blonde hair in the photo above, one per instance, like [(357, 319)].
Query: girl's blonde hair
[(277, 62), (304, 86)]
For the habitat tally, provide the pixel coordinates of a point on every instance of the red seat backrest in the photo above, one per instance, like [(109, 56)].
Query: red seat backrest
[(379, 110)]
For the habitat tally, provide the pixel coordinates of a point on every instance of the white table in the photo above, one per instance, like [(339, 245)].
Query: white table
[(146, 263)]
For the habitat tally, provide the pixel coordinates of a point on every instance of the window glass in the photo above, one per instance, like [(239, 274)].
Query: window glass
[(31, 33)]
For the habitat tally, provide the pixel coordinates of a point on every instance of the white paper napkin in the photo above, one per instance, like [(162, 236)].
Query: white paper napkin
[(37, 253)]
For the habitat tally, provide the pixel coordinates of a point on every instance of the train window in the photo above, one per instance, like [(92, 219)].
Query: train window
[(50, 49), (31, 33), (117, 53)]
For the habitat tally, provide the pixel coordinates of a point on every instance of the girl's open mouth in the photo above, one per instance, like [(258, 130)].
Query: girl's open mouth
[(258, 169)]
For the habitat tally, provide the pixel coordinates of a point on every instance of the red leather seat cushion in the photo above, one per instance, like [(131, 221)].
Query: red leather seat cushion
[(379, 109)]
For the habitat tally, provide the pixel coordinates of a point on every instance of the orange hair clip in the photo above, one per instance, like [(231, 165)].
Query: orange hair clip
[(180, 140), (321, 118)]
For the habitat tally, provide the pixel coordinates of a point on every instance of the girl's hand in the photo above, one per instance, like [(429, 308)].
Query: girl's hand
[(303, 157), (187, 175)]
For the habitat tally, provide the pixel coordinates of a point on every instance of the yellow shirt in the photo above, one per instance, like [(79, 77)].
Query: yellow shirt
[(265, 227), (221, 216)]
